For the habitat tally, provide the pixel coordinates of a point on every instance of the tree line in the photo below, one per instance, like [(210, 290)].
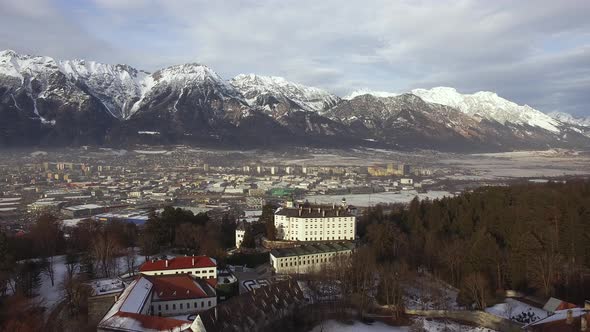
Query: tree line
[(534, 238)]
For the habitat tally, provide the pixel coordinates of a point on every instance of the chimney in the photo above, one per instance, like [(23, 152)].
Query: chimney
[(569, 318), (216, 313), (324, 213), (300, 212), (166, 262), (337, 213), (309, 210), (319, 209), (193, 260)]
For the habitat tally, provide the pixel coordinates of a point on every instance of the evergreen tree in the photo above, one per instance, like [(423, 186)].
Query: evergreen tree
[(249, 240)]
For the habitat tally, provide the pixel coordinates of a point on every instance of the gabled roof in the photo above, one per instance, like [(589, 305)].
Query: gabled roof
[(243, 312), (179, 287), (554, 304), (310, 249), (178, 263), (314, 212), (125, 321)]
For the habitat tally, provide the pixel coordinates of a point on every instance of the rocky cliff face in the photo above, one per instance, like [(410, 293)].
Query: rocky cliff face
[(44, 101)]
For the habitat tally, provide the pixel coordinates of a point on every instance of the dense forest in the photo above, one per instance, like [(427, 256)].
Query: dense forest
[(534, 238)]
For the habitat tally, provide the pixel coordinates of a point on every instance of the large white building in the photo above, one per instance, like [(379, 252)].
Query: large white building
[(308, 258), (315, 223)]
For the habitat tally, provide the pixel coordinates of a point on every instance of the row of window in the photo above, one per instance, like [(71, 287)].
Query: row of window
[(328, 226), (189, 272), (181, 305), (307, 261), (328, 232), (326, 238)]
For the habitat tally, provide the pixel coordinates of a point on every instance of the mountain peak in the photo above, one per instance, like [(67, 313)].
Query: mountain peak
[(379, 94), (8, 54), (297, 95), (193, 70), (490, 106)]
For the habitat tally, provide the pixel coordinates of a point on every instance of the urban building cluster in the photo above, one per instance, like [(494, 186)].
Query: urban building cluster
[(129, 186)]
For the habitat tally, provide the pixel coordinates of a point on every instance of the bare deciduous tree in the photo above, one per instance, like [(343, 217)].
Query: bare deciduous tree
[(477, 288)]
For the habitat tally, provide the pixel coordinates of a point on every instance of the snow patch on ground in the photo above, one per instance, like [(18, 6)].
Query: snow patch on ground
[(335, 326), (517, 311), (377, 198)]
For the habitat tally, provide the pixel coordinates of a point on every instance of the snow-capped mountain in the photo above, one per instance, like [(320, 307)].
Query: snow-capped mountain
[(488, 105), (570, 119), (116, 86), (48, 101), (362, 92), (185, 86), (278, 96)]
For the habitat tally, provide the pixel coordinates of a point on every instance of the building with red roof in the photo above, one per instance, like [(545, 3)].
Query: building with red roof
[(201, 267), (160, 303)]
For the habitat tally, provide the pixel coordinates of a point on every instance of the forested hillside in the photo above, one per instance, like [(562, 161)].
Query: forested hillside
[(530, 237)]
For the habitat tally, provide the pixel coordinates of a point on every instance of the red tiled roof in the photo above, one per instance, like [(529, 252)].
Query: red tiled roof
[(178, 263), (212, 282), (176, 287), (154, 322), (565, 305)]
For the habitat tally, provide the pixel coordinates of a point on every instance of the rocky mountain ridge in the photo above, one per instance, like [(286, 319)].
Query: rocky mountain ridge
[(46, 101)]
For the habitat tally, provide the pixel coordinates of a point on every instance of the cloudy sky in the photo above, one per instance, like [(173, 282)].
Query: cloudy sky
[(533, 52)]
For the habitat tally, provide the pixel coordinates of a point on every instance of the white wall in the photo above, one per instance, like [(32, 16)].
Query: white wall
[(316, 229), (304, 263), (172, 308), (202, 273)]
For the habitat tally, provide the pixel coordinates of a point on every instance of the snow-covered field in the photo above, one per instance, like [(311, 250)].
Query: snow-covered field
[(427, 324), (449, 326), (517, 311), (52, 295), (335, 326), (427, 293), (374, 199)]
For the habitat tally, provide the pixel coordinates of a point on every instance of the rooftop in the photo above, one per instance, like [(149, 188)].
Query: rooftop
[(314, 212), (178, 263), (83, 207), (310, 249), (180, 287), (106, 286)]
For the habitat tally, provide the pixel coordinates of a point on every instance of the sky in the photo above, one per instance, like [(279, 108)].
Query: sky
[(531, 52)]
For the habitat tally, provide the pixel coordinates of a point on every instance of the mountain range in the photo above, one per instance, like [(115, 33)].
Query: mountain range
[(48, 102)]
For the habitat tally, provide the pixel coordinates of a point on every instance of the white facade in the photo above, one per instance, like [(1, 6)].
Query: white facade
[(307, 258), (239, 237), (180, 307), (202, 273), (406, 181), (315, 226)]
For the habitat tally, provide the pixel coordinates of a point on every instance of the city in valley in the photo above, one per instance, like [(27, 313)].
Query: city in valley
[(294, 166), (207, 239)]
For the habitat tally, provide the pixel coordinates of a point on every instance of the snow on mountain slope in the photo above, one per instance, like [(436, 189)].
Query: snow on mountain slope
[(570, 119), (361, 92), (116, 86), (490, 106), (189, 89), (305, 97)]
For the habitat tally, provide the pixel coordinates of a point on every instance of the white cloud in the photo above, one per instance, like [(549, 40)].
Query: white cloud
[(531, 51)]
